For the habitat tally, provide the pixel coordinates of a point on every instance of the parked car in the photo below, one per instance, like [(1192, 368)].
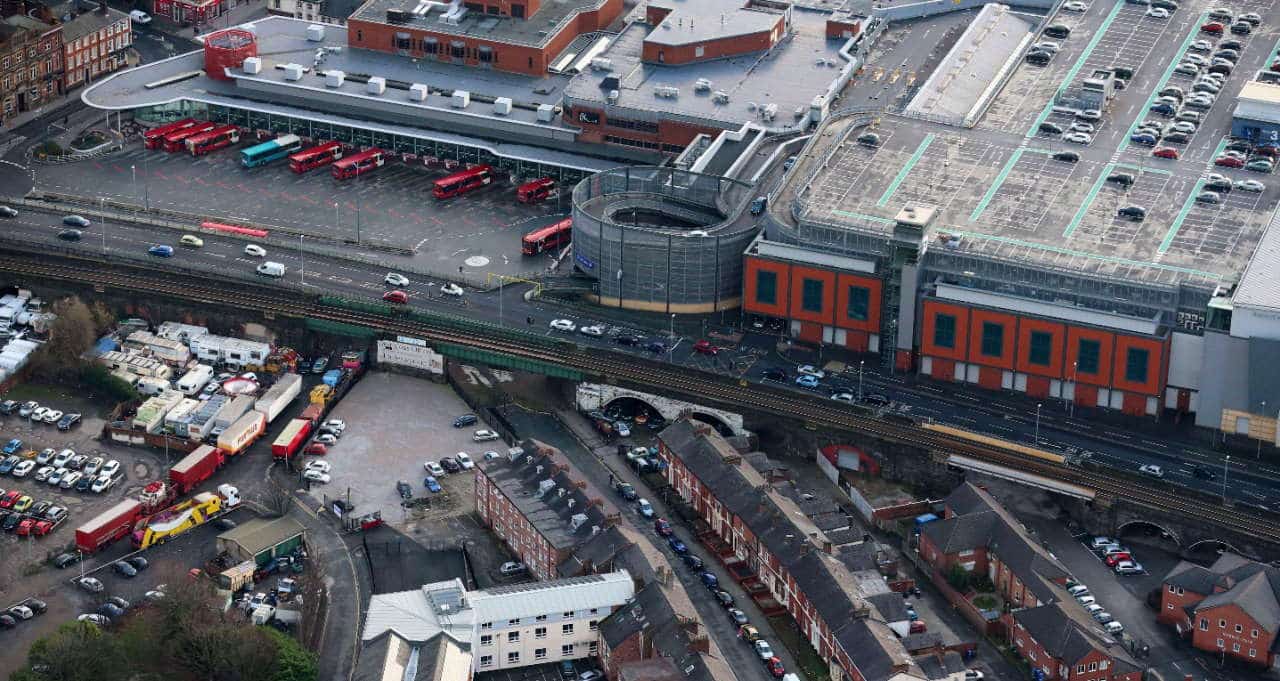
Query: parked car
[(1151, 469), (762, 648), (484, 436), (511, 568)]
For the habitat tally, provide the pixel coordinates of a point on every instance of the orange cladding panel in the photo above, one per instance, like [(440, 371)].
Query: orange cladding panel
[(978, 320), (810, 332), (943, 369), (1105, 340), (989, 378), (1154, 378), (872, 286), (1037, 386), (825, 305), (752, 302), (928, 330), (1057, 333)]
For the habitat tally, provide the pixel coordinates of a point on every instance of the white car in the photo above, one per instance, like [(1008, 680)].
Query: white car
[(763, 650), (393, 279), (336, 425), (63, 457), (1081, 126), (326, 439), (511, 567), (810, 370), (563, 325), (90, 584), (1128, 567), (22, 612), (484, 436), (94, 466), (316, 476), (23, 467), (1250, 186), (465, 461), (44, 473), (55, 478), (1158, 13), (111, 468), (1077, 138), (451, 290), (70, 479), (255, 250), (95, 618), (595, 330), (1047, 46), (102, 484), (434, 468), (1076, 7), (843, 396), (52, 416), (322, 466), (38, 413), (1152, 470)]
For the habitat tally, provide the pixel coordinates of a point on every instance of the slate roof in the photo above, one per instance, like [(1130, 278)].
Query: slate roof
[(1256, 595), (651, 612), (966, 499), (389, 655), (1193, 578), (595, 554), (1233, 580), (891, 606)]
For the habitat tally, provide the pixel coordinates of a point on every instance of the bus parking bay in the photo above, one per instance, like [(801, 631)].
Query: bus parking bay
[(480, 231)]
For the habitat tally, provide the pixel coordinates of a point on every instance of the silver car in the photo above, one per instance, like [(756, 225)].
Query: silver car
[(1077, 138)]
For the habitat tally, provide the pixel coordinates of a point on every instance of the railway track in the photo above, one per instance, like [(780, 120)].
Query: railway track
[(813, 411)]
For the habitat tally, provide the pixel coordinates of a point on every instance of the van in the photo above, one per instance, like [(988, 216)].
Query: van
[(139, 17), (271, 269), (758, 205)]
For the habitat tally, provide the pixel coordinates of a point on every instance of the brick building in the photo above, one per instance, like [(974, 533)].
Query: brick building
[(94, 39), (1231, 608), (189, 12), (334, 12), (1059, 641), (776, 543), (649, 628), (30, 61), (540, 506)]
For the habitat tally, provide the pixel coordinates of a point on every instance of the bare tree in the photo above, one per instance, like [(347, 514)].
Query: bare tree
[(277, 500), (71, 334)]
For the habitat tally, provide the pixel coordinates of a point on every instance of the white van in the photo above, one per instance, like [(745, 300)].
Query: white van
[(271, 269), (140, 17)]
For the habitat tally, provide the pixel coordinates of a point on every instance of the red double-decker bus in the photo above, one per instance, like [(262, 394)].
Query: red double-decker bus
[(359, 163), (547, 238), (177, 139), (462, 182), (319, 155), (536, 191), (154, 138), (219, 137)]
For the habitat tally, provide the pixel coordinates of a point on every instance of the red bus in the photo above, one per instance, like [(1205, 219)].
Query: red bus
[(462, 182), (535, 191), (359, 163), (319, 155), (177, 139), (551, 237), (154, 138), (205, 142)]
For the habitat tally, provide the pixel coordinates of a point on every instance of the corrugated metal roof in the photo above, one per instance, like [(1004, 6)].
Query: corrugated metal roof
[(1260, 284), (561, 595), (259, 535), (410, 614)]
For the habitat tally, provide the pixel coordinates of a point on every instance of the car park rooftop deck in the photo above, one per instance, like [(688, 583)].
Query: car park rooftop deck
[(534, 31)]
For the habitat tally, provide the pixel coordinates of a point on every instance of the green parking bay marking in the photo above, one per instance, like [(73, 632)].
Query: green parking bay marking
[(1088, 201), (906, 170), (1164, 80), (1182, 215), (1004, 173), (1075, 68)]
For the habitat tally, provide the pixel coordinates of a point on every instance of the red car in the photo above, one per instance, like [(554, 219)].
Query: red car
[(398, 297), (1212, 27), (25, 527), (1115, 558), (774, 665), (705, 347), (662, 527), (1165, 152), (10, 498), (1228, 162), (42, 527), (1275, 65), (316, 448), (918, 627)]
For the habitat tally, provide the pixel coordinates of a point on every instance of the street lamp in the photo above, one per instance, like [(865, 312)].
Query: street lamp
[(1264, 413), (1038, 405), (861, 363), (1225, 463), (1071, 406), (671, 335), (134, 170), (302, 260), (336, 225)]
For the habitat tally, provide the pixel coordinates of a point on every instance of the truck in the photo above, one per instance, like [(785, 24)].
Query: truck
[(183, 516), (279, 396), (194, 381), (244, 432), (195, 468), (108, 526), (291, 439)]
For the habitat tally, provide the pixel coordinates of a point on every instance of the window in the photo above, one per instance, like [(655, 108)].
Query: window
[(514, 622), (517, 11), (642, 126), (595, 610), (487, 625), (1222, 624), (699, 51), (1102, 665), (458, 50), (486, 660), (1041, 348), (1235, 647), (1080, 669), (1088, 354), (1093, 666), (486, 639), (1220, 643), (594, 624), (513, 657), (766, 287), (1255, 633), (859, 303), (944, 331), (593, 647), (992, 339), (540, 654), (566, 628), (1135, 365), (1253, 652), (540, 618), (566, 650), (359, 36), (1239, 628), (540, 632), (811, 295), (513, 637), (568, 615)]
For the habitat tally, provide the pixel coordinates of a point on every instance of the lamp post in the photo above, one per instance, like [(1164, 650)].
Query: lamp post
[(861, 363), (1071, 406), (1264, 413), (302, 260), (134, 170), (336, 224), (102, 206), (672, 336), (1038, 405), (1225, 463)]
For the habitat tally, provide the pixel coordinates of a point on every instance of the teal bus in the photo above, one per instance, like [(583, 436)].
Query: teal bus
[(262, 154)]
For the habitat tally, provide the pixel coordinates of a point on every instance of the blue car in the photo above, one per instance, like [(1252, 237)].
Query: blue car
[(677, 545), (807, 381), (1145, 140), (6, 466), (1163, 108), (431, 484), (12, 446), (161, 251)]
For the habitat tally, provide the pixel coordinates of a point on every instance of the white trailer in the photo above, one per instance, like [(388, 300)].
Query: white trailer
[(232, 410), (279, 396), (195, 380)]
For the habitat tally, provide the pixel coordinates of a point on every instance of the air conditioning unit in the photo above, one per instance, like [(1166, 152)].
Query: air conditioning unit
[(612, 97), (293, 71), (702, 85), (252, 65), (666, 91), (502, 106), (546, 113), (461, 99), (334, 78), (601, 64), (418, 92), (315, 33), (720, 97), (769, 112), (376, 85)]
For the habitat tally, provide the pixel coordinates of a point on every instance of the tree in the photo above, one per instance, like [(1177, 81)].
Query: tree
[(70, 336), (958, 578), (77, 651), (293, 663)]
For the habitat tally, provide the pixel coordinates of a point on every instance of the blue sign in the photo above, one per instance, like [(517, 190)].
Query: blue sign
[(1037, 674), (584, 261)]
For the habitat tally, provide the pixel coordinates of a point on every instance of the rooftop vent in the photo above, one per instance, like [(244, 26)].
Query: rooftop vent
[(418, 92), (376, 85), (666, 91), (702, 85), (315, 33), (612, 97), (577, 520), (546, 113), (293, 71), (720, 97), (398, 16), (461, 99), (502, 106), (252, 65), (601, 64), (334, 78)]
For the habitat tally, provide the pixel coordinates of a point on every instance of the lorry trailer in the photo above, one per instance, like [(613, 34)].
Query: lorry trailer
[(108, 526), (291, 439), (195, 468)]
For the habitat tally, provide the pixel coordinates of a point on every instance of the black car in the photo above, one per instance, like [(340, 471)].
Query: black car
[(139, 563), (450, 465), (1051, 128), (1057, 31), (1124, 71), (724, 598), (775, 375), (627, 340), (737, 616), (1136, 213), (405, 490), (11, 522), (37, 606), (1068, 156), (8, 407), (1205, 473), (464, 420), (1231, 44), (1238, 145), (110, 610), (1038, 57), (224, 524), (66, 560), (8, 622), (1124, 179), (124, 569), (39, 509), (118, 602), (693, 562), (84, 483), (656, 347), (68, 421), (1242, 28), (1165, 4), (876, 399), (70, 235)]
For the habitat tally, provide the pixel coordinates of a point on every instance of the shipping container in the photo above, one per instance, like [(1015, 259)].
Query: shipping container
[(109, 526), (291, 439), (195, 468), (279, 396), (239, 435)]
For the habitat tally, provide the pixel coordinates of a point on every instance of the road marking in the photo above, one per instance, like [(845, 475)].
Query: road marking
[(906, 170), (1075, 69), (1182, 215), (1164, 79), (1088, 201)]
